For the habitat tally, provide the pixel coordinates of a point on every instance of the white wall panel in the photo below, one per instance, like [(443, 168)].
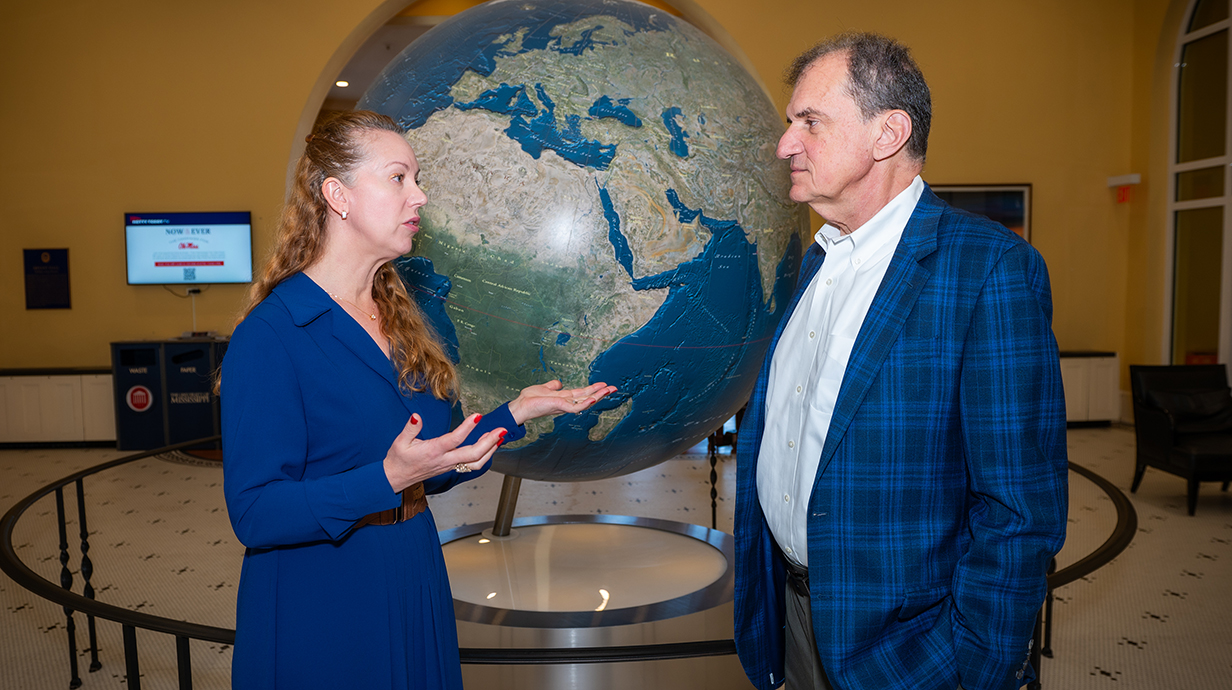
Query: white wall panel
[(60, 408), (98, 408), (1092, 388), (1075, 377), (52, 408)]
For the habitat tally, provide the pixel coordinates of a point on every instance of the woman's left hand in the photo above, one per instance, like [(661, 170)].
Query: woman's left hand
[(550, 399)]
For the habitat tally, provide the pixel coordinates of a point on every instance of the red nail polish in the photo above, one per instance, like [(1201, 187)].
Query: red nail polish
[(478, 417), (415, 419)]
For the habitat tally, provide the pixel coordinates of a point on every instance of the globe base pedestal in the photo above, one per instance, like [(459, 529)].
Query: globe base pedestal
[(594, 581)]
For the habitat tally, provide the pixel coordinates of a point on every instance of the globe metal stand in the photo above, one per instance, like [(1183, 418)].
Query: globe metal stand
[(506, 505), (528, 588)]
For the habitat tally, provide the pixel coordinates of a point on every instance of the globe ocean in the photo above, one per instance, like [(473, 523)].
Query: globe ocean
[(604, 205)]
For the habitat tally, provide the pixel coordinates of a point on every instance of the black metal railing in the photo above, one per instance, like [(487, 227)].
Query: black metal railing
[(183, 632), (73, 602), (1122, 534)]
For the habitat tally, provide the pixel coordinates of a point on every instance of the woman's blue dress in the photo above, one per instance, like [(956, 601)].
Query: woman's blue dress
[(310, 405)]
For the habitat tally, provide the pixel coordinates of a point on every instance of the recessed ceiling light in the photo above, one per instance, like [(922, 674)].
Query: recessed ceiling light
[(342, 83)]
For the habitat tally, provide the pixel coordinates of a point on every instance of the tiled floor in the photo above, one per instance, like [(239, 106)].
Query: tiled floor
[(1157, 617)]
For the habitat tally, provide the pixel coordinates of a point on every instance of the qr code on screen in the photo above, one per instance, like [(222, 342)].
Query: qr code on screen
[(190, 274)]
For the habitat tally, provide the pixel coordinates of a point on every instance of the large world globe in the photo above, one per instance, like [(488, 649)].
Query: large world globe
[(604, 204)]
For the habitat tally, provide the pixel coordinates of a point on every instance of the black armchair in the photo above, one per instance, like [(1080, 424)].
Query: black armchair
[(1183, 423)]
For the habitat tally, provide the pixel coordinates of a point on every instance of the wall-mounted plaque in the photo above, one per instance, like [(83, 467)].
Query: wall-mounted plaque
[(47, 279)]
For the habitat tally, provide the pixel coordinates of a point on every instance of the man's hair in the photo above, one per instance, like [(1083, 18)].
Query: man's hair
[(881, 76)]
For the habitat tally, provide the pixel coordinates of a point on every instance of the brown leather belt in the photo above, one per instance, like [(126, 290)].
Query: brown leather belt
[(413, 503)]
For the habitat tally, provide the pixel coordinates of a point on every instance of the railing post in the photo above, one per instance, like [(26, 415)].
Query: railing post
[(132, 668), (66, 581), (87, 570), (712, 442), (1046, 649), (183, 662)]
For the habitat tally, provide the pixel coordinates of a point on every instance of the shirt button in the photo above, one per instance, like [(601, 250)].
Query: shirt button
[(856, 262), (787, 550), (799, 389), (812, 334), (791, 444), (786, 498), (829, 281)]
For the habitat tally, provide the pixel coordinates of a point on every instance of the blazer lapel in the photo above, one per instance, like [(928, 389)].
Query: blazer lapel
[(904, 280)]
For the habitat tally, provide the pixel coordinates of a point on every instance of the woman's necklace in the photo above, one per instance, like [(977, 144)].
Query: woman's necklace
[(361, 309)]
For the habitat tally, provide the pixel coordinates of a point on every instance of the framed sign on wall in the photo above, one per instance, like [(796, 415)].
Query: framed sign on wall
[(47, 285)]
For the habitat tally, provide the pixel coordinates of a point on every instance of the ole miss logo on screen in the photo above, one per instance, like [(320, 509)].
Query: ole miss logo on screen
[(189, 245), (139, 398)]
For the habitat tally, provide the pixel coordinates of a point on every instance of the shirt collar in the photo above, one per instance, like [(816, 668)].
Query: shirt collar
[(885, 226), (305, 300)]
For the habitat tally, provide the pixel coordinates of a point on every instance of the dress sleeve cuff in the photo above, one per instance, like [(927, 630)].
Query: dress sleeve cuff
[(502, 417), (345, 498), (369, 489)]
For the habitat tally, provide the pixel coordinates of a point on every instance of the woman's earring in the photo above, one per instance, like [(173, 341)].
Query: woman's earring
[(344, 215)]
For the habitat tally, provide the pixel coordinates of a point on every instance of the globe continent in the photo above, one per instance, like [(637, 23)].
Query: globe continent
[(604, 204)]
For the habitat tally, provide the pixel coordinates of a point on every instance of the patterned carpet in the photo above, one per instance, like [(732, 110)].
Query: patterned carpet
[(1156, 617)]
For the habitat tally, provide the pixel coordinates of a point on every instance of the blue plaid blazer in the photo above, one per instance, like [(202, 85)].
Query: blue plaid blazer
[(941, 492)]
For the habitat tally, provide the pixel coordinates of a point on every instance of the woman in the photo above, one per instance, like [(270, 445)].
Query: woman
[(336, 404)]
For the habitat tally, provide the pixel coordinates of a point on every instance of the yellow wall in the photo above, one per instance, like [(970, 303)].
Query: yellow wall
[(1155, 33), (156, 106)]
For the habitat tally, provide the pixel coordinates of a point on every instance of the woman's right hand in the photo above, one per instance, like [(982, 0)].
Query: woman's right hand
[(411, 459)]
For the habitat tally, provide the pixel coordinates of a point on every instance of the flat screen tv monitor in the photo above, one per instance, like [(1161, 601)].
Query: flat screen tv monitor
[(188, 248)]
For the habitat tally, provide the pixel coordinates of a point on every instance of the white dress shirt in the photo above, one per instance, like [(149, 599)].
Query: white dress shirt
[(810, 361)]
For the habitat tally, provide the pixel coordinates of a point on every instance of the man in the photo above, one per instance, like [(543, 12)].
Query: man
[(902, 463)]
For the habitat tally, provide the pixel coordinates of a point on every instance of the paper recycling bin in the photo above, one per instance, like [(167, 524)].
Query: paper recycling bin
[(164, 391)]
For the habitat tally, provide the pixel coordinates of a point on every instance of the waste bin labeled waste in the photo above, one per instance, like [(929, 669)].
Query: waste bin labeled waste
[(164, 391)]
